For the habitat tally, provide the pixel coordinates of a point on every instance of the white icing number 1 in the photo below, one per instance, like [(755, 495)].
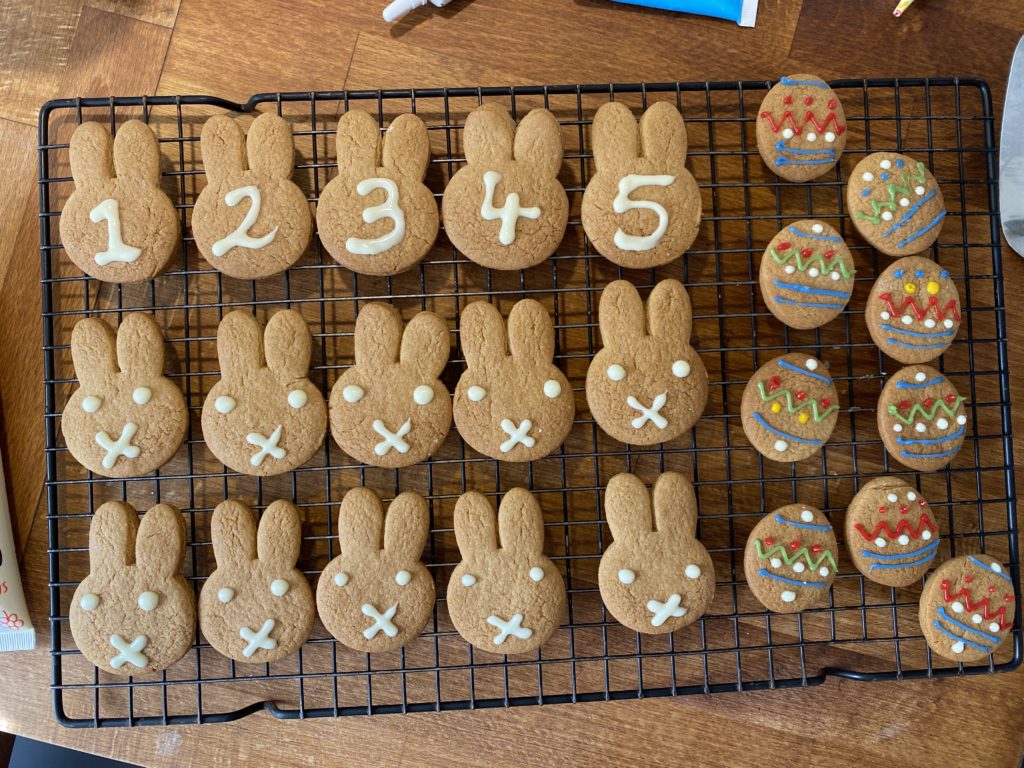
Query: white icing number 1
[(389, 209), (240, 236), (623, 203), (117, 249), (509, 213)]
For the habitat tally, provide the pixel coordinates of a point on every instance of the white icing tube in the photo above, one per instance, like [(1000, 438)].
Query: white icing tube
[(398, 8), (16, 632), (743, 12)]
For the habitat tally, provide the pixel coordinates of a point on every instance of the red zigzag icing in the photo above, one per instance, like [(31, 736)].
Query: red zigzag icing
[(902, 526), (983, 604), (911, 303), (787, 117)]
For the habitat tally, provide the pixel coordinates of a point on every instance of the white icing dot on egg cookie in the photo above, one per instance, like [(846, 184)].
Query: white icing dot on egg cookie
[(892, 498), (788, 596), (957, 647), (868, 176), (920, 376), (956, 606), (941, 423), (224, 404), (91, 404), (552, 388), (993, 627), (476, 394), (692, 571), (626, 576), (813, 272), (297, 398), (886, 215), (997, 567), (897, 427), (680, 369), (918, 190), (807, 516), (340, 579), (885, 164), (929, 323), (811, 363), (423, 395), (790, 269), (817, 228), (812, 136), (920, 427), (885, 315), (775, 562), (787, 133), (911, 496), (352, 393), (907, 319), (142, 395), (835, 275), (823, 571), (798, 567), (926, 534), (904, 202), (781, 446), (976, 618), (830, 137), (961, 419), (947, 323), (880, 542), (903, 539)]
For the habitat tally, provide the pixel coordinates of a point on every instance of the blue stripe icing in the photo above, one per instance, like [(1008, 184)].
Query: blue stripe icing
[(779, 433), (909, 564), (966, 628), (939, 455), (811, 291), (810, 526), (1000, 573), (908, 345), (930, 225), (813, 236), (794, 582), (816, 304), (909, 214), (796, 369), (918, 334), (923, 550), (919, 385), (930, 441), (938, 625), (783, 160), (790, 81)]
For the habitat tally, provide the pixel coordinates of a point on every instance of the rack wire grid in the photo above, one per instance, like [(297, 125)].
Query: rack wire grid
[(865, 632)]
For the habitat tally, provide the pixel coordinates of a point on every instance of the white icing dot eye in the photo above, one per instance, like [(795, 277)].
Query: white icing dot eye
[(918, 190), (402, 578), (616, 372), (993, 627), (148, 601), (775, 562), (956, 606), (885, 164), (552, 388), (811, 363), (830, 137), (468, 580), (903, 539), (897, 427), (798, 567), (225, 594), (788, 596), (947, 323), (692, 571), (224, 404), (807, 516), (423, 395), (91, 404), (920, 427), (961, 419), (880, 542), (476, 394), (352, 393), (941, 423), (340, 579), (89, 602), (626, 576), (787, 133), (892, 498), (536, 573), (868, 176), (920, 376), (781, 446), (297, 398), (142, 395), (279, 587), (817, 229), (812, 136), (823, 571), (680, 369), (886, 215), (929, 323)]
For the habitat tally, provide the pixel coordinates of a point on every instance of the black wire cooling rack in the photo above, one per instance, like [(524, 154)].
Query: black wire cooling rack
[(865, 632)]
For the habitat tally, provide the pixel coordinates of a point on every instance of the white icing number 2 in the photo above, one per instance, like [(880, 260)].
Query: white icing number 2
[(117, 249), (623, 203), (240, 237), (389, 209), (509, 213)]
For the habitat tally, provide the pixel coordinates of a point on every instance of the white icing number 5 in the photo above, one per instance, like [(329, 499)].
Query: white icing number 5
[(509, 213), (389, 209), (623, 203), (117, 249), (240, 237)]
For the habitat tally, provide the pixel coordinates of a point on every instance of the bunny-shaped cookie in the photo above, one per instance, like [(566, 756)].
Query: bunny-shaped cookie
[(641, 207), (390, 409), (264, 418), (118, 225), (647, 385), (126, 418), (377, 217), (511, 403), (519, 167), (509, 598), (655, 577), (256, 607), (134, 612), (251, 220), (377, 595)]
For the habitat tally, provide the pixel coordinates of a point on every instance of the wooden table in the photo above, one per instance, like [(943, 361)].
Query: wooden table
[(234, 48)]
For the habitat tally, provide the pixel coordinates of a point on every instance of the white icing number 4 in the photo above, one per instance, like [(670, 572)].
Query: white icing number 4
[(240, 237), (117, 249), (389, 209), (509, 213), (623, 202)]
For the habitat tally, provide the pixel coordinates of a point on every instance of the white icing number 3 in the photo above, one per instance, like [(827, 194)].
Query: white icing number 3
[(623, 203), (117, 249), (509, 213), (389, 209), (240, 237)]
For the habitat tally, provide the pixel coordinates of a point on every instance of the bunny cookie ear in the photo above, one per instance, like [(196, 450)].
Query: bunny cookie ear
[(675, 505), (378, 335), (425, 344), (358, 141), (475, 526), (360, 522), (620, 314), (539, 141), (406, 527), (270, 146), (239, 344), (482, 334), (140, 346), (223, 147), (489, 135), (531, 335), (669, 316), (136, 154), (663, 136), (288, 345), (627, 506), (233, 530), (279, 538), (92, 349), (407, 147), (112, 537), (91, 155), (613, 136), (521, 522), (160, 542)]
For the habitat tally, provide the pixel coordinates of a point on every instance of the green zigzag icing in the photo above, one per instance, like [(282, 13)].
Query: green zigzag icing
[(799, 406), (918, 409), (894, 188), (788, 559), (803, 266)]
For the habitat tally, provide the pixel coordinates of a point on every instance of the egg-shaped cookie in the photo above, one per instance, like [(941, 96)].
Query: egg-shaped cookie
[(892, 536), (806, 274), (967, 608), (896, 204), (790, 407), (801, 128), (913, 311), (790, 559), (921, 418)]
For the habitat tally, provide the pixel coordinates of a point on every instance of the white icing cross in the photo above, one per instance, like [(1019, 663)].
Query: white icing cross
[(381, 621), (649, 414), (258, 640), (391, 439), (267, 446), (120, 447), (129, 653), (513, 626), (663, 611), (516, 435)]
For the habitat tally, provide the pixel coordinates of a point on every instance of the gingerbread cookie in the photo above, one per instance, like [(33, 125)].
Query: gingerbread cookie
[(511, 402), (892, 537), (118, 225), (376, 217), (913, 311), (921, 418), (505, 596), (518, 167), (801, 128), (641, 207), (126, 418), (251, 220), (256, 607), (807, 274), (790, 559), (895, 203), (646, 385), (655, 577), (134, 613), (967, 608), (264, 416), (790, 407), (377, 595), (390, 409)]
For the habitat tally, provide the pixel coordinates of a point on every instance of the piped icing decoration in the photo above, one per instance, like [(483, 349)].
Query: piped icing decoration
[(971, 621), (827, 263), (802, 523), (795, 555), (797, 403), (905, 188), (818, 131)]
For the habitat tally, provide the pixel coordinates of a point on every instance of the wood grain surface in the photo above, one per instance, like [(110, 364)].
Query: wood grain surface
[(238, 47)]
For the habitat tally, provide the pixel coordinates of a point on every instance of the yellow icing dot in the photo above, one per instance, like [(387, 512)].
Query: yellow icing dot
[(804, 417), (909, 287), (933, 287), (776, 407)]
